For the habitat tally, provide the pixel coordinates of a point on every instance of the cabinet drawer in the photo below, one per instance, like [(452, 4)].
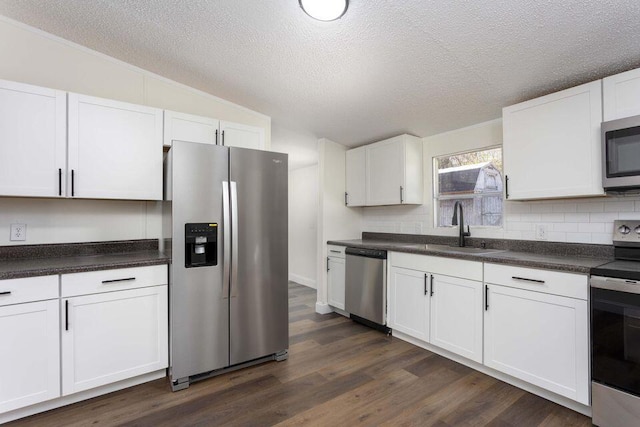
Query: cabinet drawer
[(550, 282), (464, 269), (16, 291), (336, 251), (94, 282)]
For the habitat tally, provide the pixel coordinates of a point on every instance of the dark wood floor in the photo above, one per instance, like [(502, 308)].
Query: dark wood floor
[(339, 373)]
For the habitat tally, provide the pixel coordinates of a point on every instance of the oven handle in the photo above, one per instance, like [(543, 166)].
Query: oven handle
[(613, 284)]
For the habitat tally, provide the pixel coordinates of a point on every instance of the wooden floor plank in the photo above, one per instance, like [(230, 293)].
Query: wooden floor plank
[(338, 373)]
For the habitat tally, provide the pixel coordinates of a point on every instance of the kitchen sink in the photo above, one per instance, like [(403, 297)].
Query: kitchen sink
[(454, 249)]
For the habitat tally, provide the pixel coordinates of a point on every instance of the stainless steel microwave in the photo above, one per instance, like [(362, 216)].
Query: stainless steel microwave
[(621, 154)]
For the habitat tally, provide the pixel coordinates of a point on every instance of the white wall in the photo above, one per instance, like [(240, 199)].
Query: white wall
[(335, 220), (35, 57), (303, 225), (60, 220), (301, 146), (588, 220)]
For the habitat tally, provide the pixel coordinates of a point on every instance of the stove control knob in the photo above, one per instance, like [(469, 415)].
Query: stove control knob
[(637, 229), (623, 229)]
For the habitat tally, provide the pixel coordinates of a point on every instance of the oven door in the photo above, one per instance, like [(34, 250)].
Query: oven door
[(615, 333), (621, 153)]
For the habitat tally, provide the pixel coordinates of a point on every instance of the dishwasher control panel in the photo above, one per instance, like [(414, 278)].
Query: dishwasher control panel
[(369, 253)]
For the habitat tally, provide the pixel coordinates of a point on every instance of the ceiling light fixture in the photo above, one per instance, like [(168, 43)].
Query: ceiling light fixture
[(324, 10)]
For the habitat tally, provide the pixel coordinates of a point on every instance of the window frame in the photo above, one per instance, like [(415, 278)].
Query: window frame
[(436, 197)]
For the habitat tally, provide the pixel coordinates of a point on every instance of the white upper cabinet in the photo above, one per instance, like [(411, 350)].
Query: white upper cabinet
[(115, 149), (241, 136), (388, 172), (355, 177), (187, 127), (621, 95), (551, 145), (33, 124)]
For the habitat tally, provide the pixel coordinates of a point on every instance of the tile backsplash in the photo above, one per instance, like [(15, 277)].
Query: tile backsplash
[(571, 220)]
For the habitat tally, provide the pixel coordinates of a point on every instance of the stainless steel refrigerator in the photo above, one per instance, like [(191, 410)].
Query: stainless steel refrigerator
[(228, 276)]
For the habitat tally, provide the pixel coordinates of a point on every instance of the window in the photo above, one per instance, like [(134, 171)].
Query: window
[(475, 180)]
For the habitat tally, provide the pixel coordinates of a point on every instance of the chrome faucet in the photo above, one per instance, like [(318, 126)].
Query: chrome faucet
[(454, 221)]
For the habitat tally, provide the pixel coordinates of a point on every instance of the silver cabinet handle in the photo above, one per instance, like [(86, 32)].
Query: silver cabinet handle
[(401, 191), (226, 237), (431, 285), (328, 266), (127, 279), (334, 251), (234, 237), (346, 202), (524, 279)]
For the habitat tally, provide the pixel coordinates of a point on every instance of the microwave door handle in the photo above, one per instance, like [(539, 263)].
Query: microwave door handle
[(226, 236), (234, 239)]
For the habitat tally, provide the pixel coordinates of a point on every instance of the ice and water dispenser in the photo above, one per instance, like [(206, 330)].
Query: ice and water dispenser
[(200, 244)]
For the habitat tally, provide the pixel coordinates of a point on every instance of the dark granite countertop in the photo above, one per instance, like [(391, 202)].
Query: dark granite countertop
[(568, 257), (43, 260)]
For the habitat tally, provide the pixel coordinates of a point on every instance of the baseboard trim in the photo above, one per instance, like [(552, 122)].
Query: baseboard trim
[(323, 308), (77, 397), (302, 280)]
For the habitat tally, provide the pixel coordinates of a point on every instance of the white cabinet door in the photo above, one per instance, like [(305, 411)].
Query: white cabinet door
[(552, 145), (30, 355), (115, 149), (356, 177), (385, 172), (335, 282), (456, 316), (408, 302), (621, 95), (187, 127), (113, 336), (242, 136), (33, 134), (539, 338)]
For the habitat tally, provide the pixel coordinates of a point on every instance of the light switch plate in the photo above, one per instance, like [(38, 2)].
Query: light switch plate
[(18, 232)]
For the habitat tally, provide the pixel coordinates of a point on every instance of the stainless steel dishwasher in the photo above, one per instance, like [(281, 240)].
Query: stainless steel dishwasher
[(366, 286)]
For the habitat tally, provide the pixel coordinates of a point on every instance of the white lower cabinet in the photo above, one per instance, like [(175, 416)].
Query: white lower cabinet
[(539, 338), (112, 336), (336, 273), (530, 324), (30, 355), (408, 302), (335, 281), (456, 316)]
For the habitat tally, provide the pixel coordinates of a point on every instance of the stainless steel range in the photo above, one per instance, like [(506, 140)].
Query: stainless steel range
[(615, 332)]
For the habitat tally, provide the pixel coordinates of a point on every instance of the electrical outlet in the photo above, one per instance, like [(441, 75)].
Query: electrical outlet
[(541, 232), (18, 232)]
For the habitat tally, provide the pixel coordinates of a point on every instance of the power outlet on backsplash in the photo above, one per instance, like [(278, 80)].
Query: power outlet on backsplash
[(18, 232), (541, 232)]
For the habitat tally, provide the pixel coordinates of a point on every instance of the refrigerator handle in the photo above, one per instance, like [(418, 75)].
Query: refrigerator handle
[(226, 229), (234, 239)]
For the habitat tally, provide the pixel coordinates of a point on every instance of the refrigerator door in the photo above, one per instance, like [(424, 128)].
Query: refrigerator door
[(259, 275), (199, 296)]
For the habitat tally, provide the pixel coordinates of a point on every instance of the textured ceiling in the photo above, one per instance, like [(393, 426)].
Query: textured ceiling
[(385, 68)]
